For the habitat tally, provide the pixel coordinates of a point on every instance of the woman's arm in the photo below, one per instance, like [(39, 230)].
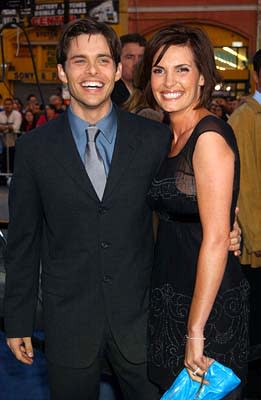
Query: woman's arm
[(213, 163)]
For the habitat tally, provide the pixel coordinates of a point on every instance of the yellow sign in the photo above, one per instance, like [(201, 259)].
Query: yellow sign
[(43, 76)]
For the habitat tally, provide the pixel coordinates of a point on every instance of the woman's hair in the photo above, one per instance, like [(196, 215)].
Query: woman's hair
[(137, 99), (90, 27), (201, 47)]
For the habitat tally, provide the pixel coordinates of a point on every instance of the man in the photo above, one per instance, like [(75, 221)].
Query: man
[(10, 122), (246, 123), (97, 248), (94, 234), (57, 101), (133, 46)]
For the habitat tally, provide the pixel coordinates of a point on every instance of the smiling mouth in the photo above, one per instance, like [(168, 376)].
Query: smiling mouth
[(92, 85), (171, 95)]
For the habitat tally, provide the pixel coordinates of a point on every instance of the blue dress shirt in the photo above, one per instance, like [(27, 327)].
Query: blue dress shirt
[(106, 139)]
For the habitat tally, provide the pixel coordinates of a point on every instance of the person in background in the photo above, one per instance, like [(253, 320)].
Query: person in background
[(51, 113), (132, 50), (10, 123), (246, 123), (28, 122), (218, 110), (1, 103), (30, 100), (137, 102), (199, 300), (57, 101), (18, 105), (36, 109)]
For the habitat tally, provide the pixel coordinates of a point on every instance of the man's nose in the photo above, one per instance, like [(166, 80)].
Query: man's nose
[(92, 68)]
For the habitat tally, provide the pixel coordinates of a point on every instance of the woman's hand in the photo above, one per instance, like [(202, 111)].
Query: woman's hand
[(195, 360)]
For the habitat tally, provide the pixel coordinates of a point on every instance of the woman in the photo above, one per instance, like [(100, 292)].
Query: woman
[(28, 122), (50, 113), (199, 308)]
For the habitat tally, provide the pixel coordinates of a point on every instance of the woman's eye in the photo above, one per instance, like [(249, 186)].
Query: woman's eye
[(157, 70), (183, 69)]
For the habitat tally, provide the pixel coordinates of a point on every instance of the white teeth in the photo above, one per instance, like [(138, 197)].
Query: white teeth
[(92, 84), (172, 95)]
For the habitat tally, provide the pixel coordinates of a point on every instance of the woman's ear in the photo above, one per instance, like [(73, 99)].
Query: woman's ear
[(201, 80)]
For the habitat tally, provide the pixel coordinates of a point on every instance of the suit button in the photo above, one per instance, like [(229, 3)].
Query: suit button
[(102, 210), (105, 245), (107, 279)]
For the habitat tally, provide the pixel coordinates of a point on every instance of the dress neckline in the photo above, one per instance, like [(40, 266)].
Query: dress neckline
[(192, 134)]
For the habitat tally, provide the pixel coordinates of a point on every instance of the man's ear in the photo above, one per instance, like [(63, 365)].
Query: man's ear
[(118, 72), (61, 73)]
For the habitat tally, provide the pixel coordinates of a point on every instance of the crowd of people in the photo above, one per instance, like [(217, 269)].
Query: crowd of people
[(99, 173), (17, 118)]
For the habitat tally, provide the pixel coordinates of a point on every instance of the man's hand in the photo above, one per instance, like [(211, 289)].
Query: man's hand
[(22, 349), (235, 236)]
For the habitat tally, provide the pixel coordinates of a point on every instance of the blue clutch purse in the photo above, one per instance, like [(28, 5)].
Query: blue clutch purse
[(222, 380)]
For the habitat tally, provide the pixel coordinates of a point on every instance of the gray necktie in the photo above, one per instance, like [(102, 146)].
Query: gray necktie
[(94, 163)]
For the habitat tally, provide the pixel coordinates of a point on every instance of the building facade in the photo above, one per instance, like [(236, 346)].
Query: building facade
[(234, 29)]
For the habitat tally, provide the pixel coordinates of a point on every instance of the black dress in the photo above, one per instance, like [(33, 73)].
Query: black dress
[(173, 196)]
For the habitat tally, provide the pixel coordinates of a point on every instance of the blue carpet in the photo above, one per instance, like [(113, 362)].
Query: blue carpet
[(19, 381)]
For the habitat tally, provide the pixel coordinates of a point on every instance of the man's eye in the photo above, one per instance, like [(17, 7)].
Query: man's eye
[(79, 61), (104, 60)]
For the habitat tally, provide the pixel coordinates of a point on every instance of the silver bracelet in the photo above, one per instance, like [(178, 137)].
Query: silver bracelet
[(194, 337)]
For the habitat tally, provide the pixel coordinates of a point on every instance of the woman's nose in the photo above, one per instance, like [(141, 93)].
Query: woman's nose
[(170, 79)]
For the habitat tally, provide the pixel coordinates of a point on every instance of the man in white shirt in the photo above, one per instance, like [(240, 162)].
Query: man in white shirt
[(10, 122)]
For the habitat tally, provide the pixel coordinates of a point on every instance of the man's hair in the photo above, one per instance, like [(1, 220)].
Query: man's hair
[(28, 98), (257, 61), (90, 27), (202, 50), (133, 38), (9, 100)]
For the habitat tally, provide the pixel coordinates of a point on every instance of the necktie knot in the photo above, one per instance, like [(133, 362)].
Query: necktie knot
[(92, 133)]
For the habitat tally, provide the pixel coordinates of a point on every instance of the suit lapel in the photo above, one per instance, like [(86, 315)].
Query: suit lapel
[(124, 150), (66, 154)]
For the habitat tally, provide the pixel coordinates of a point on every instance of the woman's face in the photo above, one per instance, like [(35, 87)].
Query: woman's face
[(175, 81), (29, 116)]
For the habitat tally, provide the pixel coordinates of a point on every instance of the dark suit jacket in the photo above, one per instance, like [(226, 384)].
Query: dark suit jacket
[(97, 256), (120, 93)]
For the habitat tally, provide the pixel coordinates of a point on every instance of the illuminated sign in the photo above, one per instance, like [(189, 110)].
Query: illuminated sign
[(43, 13)]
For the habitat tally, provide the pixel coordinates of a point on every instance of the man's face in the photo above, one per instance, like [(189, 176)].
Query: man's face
[(90, 74), (8, 106), (131, 54)]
